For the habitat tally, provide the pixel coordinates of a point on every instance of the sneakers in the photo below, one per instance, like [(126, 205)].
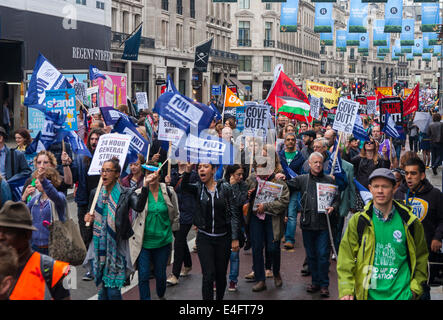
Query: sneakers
[(269, 274), (232, 286), (288, 245), (324, 292), (172, 280), (259, 286), (434, 171), (250, 277), (185, 271), (88, 276), (278, 281)]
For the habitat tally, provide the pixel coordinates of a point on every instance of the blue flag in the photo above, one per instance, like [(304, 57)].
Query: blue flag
[(36, 145), (288, 171), (389, 127), (182, 111), (170, 87), (364, 193), (132, 46), (16, 187), (359, 132), (139, 145), (44, 77), (112, 115), (94, 73), (218, 116), (51, 128), (77, 144)]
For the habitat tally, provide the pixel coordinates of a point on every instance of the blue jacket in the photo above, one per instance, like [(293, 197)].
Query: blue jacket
[(19, 169), (5, 192), (296, 164)]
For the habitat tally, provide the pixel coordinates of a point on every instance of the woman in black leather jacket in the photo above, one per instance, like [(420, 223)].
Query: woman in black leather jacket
[(218, 221)]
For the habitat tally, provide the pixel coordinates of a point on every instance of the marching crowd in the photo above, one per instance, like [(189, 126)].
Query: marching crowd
[(383, 246)]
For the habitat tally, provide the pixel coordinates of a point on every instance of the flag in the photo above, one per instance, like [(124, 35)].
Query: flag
[(294, 108), (364, 193), (389, 127), (287, 170), (44, 77), (77, 145), (36, 145), (95, 73), (359, 132), (231, 100), (202, 56), (73, 80), (170, 87), (379, 96), (217, 116), (149, 126), (132, 46), (52, 126), (410, 104), (139, 145), (112, 115), (285, 87), (16, 187)]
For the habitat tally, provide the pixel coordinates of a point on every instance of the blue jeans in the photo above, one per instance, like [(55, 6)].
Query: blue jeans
[(159, 258), (261, 232), (110, 294), (398, 151), (317, 250), (234, 266), (292, 217)]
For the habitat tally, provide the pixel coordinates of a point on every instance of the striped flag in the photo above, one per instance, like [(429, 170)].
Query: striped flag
[(389, 127), (364, 193), (294, 108)]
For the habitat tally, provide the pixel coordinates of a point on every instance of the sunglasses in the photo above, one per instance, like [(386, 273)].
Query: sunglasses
[(369, 142)]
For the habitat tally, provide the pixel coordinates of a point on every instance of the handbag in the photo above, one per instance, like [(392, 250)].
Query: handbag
[(65, 241)]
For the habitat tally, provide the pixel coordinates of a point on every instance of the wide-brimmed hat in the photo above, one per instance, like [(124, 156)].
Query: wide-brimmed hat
[(16, 215), (3, 132)]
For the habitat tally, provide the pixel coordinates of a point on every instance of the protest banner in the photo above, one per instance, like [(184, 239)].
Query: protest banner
[(329, 94), (240, 118), (371, 105), (93, 111), (256, 120), (108, 146), (112, 90), (63, 101), (266, 192), (315, 107), (92, 96), (345, 116), (386, 91), (325, 195), (142, 100), (393, 106), (168, 132), (80, 92), (363, 101)]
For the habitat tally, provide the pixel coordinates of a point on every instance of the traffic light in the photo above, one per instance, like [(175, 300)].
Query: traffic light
[(353, 88), (359, 85)]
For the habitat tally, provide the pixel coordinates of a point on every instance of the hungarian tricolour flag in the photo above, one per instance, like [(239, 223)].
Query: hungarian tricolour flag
[(294, 108)]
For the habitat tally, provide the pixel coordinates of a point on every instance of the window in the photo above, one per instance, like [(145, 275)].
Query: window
[(419, 64), (323, 67), (268, 30), (244, 63), (351, 54), (114, 19), (267, 63), (137, 20), (244, 33), (164, 35), (179, 36), (268, 6), (98, 4), (322, 50), (165, 4), (352, 68), (192, 7), (179, 7), (83, 2), (243, 4), (192, 36), (125, 22)]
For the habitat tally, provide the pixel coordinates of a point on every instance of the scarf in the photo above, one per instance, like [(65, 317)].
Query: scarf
[(110, 265)]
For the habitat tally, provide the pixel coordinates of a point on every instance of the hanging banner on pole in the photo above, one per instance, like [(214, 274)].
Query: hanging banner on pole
[(345, 117), (340, 36), (352, 39), (378, 34), (358, 17), (326, 39), (323, 17), (417, 50), (364, 43), (430, 17), (407, 32), (393, 16), (289, 16)]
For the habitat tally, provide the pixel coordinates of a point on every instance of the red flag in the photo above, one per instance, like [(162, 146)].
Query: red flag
[(411, 103), (379, 96), (285, 87)]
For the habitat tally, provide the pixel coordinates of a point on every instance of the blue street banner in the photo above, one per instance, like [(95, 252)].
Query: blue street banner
[(44, 77), (326, 39), (352, 39), (417, 51), (364, 43), (426, 56), (380, 53), (427, 47), (183, 112), (132, 46), (393, 16), (407, 49), (289, 16), (340, 36), (358, 17), (63, 101), (437, 51), (378, 33), (216, 90), (397, 48), (407, 32), (409, 57), (95, 73), (323, 17), (430, 17), (432, 38)]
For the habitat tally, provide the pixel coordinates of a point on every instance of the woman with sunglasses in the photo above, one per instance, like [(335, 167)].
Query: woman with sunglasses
[(368, 160), (112, 229)]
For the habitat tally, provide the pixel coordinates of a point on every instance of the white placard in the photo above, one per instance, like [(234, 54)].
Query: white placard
[(345, 117), (168, 132), (371, 106), (95, 110), (109, 146), (142, 100), (266, 192), (256, 121), (325, 195), (315, 107)]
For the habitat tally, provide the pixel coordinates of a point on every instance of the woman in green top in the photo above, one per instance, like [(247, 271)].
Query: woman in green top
[(152, 238)]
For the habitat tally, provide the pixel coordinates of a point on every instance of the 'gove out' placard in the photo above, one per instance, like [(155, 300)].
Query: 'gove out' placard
[(345, 116), (256, 120)]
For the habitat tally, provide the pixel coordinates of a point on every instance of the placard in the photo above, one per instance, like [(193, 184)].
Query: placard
[(266, 192), (371, 105), (325, 195), (393, 106), (168, 132), (80, 92), (142, 100), (92, 96), (345, 116), (256, 120), (63, 101), (109, 146), (315, 107)]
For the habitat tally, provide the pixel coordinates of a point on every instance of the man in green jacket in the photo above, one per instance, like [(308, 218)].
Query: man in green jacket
[(383, 254)]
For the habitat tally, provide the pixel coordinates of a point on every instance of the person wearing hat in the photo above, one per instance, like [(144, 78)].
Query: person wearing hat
[(308, 140), (13, 164), (36, 271), (383, 254), (352, 149), (317, 125)]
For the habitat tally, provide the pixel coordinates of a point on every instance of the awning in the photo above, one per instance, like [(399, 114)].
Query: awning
[(239, 85)]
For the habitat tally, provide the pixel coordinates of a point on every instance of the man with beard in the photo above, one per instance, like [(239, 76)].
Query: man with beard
[(308, 140), (86, 183)]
